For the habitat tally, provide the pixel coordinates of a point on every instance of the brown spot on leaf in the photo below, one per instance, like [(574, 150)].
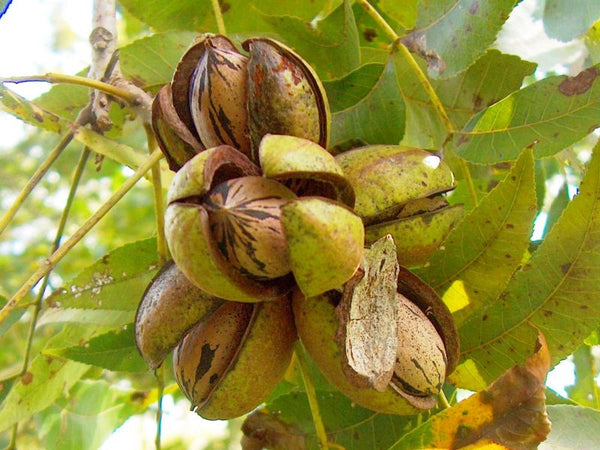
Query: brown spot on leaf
[(369, 34), (509, 226), (579, 84), (27, 378), (462, 140), (224, 6), (474, 7), (565, 268), (417, 43)]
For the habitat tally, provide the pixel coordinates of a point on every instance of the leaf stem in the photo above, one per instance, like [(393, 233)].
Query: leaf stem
[(60, 253), (40, 295), (378, 19), (34, 180), (312, 397), (159, 205), (469, 180), (429, 90), (160, 384), (58, 78), (218, 16), (443, 400)]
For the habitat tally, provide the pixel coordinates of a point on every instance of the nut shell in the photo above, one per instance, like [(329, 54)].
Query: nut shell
[(170, 306), (420, 368), (218, 94), (325, 242), (231, 362), (317, 324), (285, 95), (386, 177)]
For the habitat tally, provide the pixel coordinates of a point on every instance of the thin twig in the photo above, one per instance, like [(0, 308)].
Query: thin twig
[(424, 81), (59, 78), (34, 180), (159, 205), (160, 383), (40, 295), (443, 400), (103, 40), (312, 398), (218, 16), (60, 253)]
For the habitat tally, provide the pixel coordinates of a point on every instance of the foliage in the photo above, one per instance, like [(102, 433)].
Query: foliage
[(519, 141)]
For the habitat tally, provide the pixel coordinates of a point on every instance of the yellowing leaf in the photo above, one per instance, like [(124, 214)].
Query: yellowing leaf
[(511, 413), (556, 291), (478, 257)]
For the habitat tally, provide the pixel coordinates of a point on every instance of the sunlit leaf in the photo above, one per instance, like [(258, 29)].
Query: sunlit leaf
[(114, 350), (29, 112), (478, 257), (452, 34), (239, 16), (151, 61), (377, 118), (46, 379), (547, 116), (405, 12), (89, 416), (334, 38), (115, 282), (510, 413), (491, 78), (552, 292), (563, 22)]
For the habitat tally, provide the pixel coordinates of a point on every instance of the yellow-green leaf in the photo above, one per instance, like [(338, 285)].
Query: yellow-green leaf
[(478, 257), (556, 292)]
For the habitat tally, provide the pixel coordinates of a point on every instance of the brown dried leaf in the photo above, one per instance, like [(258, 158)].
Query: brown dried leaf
[(510, 413)]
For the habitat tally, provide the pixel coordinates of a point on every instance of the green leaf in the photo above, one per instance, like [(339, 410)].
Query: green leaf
[(453, 34), (548, 116), (585, 389), (240, 16), (115, 282), (478, 257), (377, 118), (333, 39), (110, 148), (65, 100), (572, 427), (46, 380), (561, 201), (151, 61), (405, 12), (563, 22), (347, 91), (551, 294), (357, 428), (491, 78), (114, 350), (29, 112), (12, 318), (92, 412)]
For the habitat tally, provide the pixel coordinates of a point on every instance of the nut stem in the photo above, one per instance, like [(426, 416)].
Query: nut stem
[(312, 397)]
